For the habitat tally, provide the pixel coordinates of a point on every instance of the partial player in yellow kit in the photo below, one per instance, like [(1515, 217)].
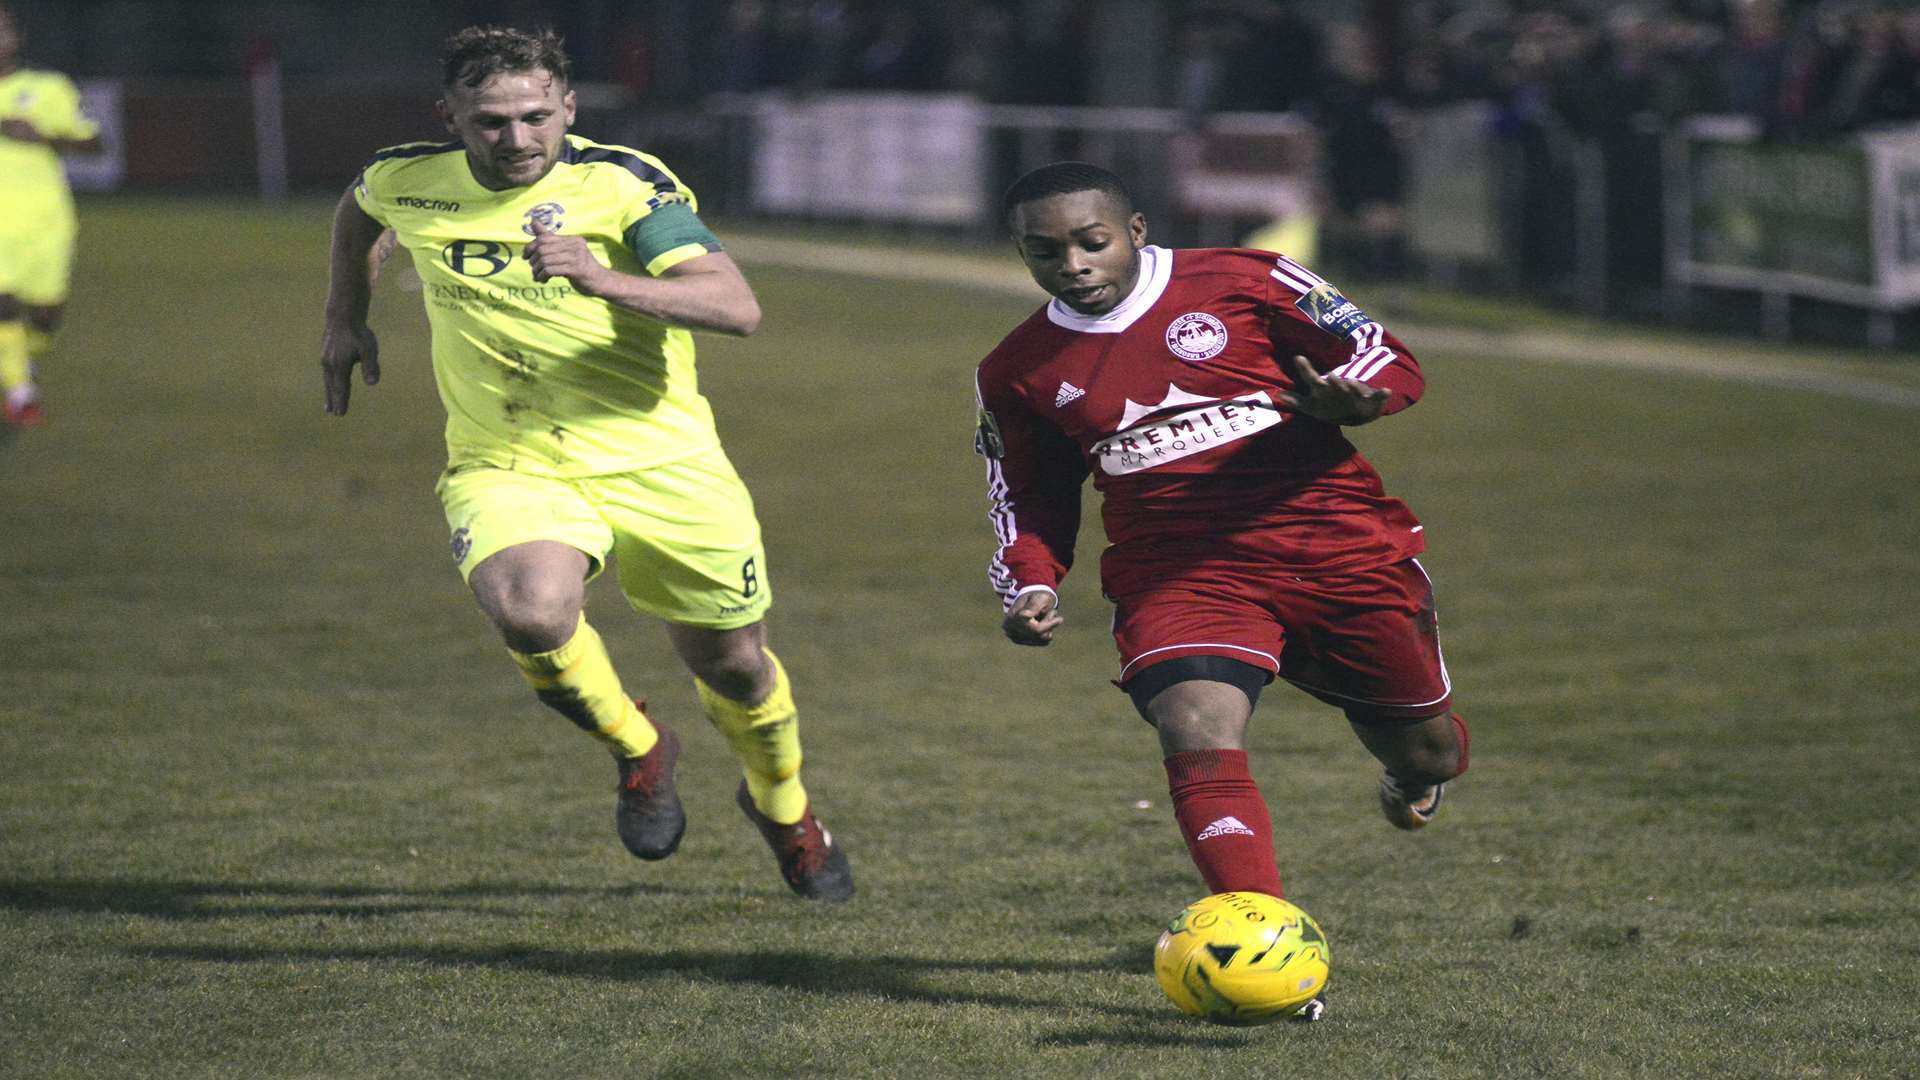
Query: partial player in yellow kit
[(40, 119), (562, 279)]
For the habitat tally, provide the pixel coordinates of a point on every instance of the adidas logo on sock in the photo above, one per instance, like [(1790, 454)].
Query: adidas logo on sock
[(1224, 826), (1068, 392)]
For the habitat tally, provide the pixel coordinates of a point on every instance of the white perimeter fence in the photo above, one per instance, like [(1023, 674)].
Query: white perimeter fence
[(1708, 204)]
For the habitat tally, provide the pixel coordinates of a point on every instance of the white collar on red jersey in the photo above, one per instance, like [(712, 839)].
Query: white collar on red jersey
[(1156, 269)]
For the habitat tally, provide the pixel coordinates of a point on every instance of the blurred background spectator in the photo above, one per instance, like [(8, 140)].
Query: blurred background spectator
[(1361, 124), (1801, 68), (1570, 108)]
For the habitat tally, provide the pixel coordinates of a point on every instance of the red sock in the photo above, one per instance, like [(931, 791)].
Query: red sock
[(1224, 820), (1460, 728)]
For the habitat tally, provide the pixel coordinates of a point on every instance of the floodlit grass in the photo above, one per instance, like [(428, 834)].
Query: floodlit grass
[(276, 804)]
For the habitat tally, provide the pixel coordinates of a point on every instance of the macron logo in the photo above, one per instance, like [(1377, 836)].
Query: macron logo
[(1223, 827), (1068, 392)]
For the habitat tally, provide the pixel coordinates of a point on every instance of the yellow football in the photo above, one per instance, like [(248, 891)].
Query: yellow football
[(1241, 958)]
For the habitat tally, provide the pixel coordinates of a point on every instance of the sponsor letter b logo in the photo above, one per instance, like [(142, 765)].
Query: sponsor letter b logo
[(477, 258)]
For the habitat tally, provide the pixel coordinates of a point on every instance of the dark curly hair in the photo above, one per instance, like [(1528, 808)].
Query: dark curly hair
[(478, 53), (1065, 178)]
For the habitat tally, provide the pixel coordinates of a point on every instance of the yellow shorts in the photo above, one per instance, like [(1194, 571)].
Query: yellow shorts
[(35, 267), (683, 536)]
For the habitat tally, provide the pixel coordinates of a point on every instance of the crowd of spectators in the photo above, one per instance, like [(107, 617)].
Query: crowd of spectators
[(1596, 73), (1801, 68), (1004, 52)]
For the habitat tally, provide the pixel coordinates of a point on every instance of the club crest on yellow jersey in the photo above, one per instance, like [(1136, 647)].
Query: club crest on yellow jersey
[(548, 215)]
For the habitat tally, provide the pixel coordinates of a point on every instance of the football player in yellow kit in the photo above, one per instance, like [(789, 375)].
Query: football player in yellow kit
[(40, 119), (562, 278)]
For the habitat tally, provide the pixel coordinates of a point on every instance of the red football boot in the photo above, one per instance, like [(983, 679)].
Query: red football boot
[(649, 815), (812, 864)]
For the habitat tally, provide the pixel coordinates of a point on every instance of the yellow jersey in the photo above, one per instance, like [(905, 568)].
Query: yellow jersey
[(33, 186), (535, 376)]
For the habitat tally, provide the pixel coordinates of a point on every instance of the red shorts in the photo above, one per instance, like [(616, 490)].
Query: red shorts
[(1367, 642)]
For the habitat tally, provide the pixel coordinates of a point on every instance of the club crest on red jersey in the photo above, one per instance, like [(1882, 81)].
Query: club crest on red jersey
[(1196, 336)]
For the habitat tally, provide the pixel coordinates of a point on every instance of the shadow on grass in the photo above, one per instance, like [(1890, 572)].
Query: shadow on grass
[(879, 976), (199, 900), (913, 978), (1173, 1031)]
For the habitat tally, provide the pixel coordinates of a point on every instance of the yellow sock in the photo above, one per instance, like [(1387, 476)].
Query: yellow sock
[(38, 342), (13, 355), (577, 681), (766, 739)]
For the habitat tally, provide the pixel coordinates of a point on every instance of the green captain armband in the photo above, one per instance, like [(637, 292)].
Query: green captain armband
[(670, 235)]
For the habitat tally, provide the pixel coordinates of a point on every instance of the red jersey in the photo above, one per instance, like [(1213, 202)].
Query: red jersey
[(1170, 401)]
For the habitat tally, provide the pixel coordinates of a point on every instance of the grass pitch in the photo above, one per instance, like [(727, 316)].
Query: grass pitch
[(276, 804)]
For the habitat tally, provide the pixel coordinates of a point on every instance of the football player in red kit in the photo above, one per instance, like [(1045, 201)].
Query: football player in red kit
[(1205, 391)]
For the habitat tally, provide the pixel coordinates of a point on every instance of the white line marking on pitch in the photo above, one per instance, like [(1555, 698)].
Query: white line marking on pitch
[(1642, 355)]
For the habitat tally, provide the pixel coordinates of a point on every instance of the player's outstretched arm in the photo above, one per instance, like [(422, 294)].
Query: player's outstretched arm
[(346, 339), (1033, 618), (24, 131), (706, 292), (1332, 398)]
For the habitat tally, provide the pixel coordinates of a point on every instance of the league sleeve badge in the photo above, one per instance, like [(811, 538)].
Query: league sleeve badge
[(986, 437), (1331, 311)]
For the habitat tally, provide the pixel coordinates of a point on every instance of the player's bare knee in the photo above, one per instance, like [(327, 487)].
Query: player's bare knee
[(743, 674), (1179, 716), (44, 319), (531, 614), (1198, 716), (1435, 759), (532, 630), (1424, 749), (734, 662), (1198, 701), (533, 593)]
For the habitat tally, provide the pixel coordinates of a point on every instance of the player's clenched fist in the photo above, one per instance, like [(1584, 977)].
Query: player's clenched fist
[(557, 255), (1331, 398), (341, 347), (1033, 619)]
